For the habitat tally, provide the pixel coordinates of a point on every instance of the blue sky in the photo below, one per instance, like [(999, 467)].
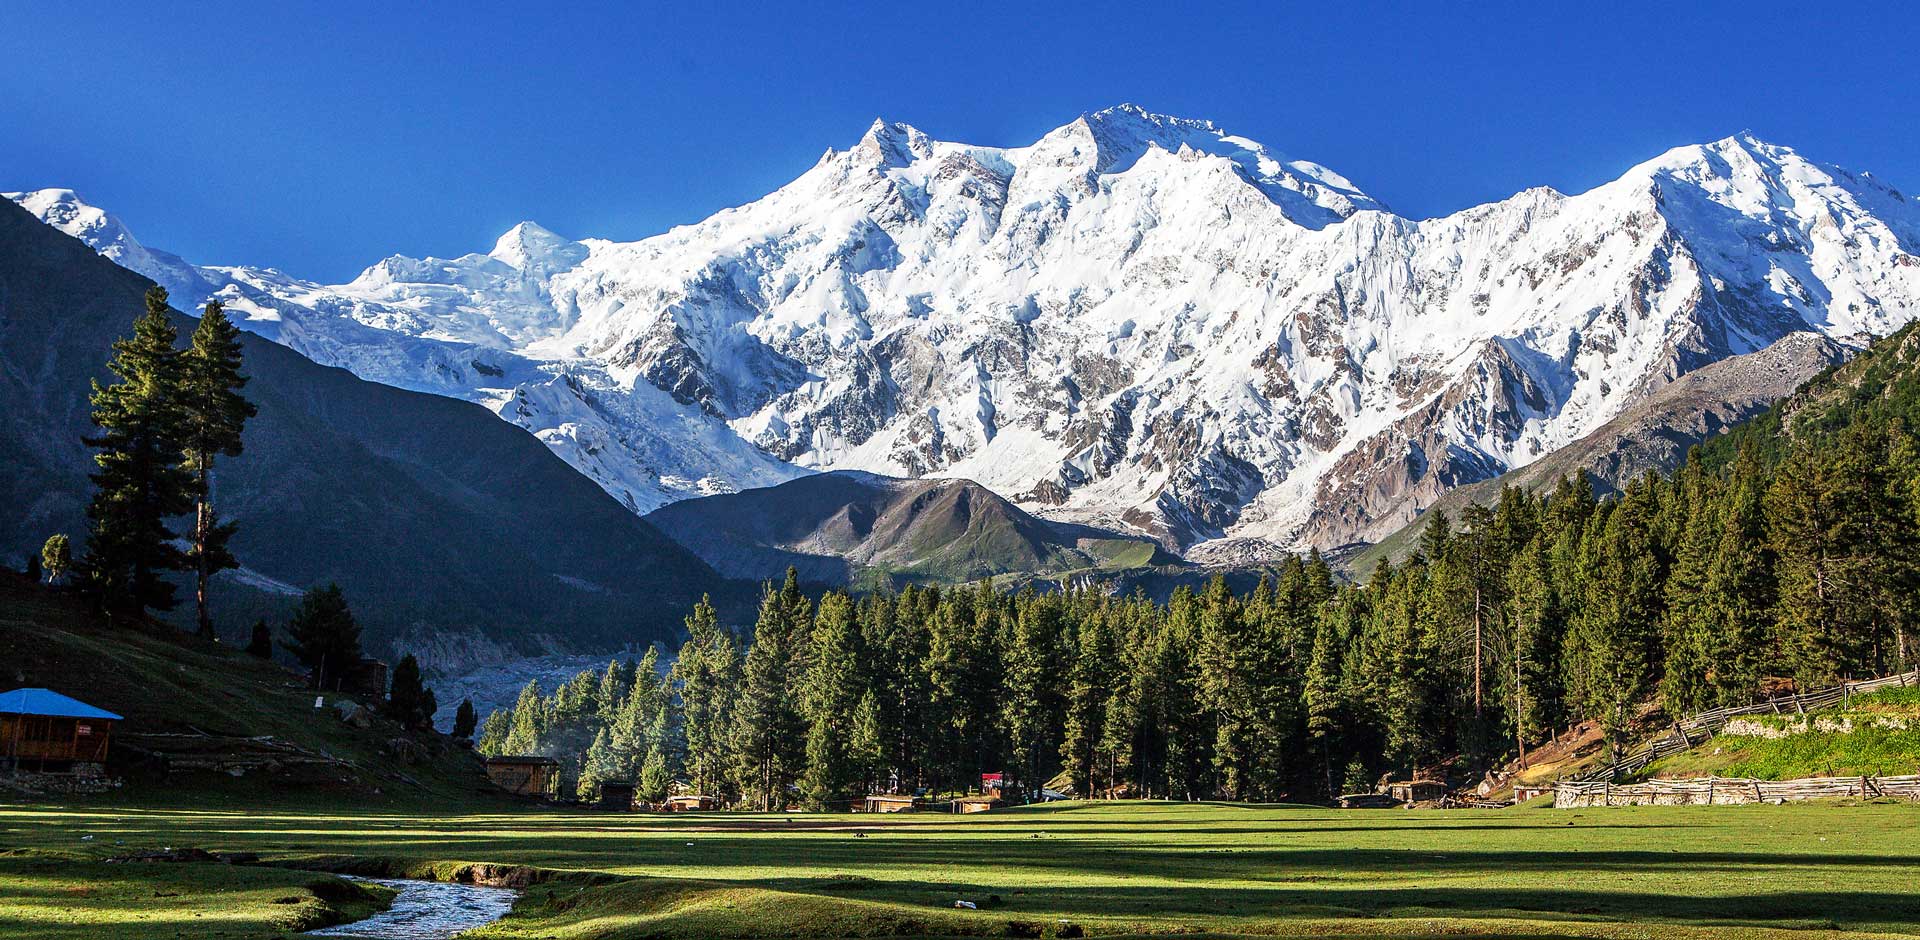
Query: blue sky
[(319, 138)]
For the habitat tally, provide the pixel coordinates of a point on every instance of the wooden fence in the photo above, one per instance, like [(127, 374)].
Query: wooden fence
[(1692, 730), (1725, 790)]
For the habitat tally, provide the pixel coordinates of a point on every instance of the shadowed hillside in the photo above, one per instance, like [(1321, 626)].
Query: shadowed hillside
[(447, 527)]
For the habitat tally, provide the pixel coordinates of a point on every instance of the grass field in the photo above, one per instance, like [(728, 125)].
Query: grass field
[(1103, 869)]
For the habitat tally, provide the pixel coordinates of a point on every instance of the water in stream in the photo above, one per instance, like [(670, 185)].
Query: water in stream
[(427, 910)]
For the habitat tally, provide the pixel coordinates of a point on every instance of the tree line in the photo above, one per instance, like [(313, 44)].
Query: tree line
[(1766, 555)]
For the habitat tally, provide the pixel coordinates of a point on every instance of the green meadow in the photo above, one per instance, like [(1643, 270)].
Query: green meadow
[(1064, 870)]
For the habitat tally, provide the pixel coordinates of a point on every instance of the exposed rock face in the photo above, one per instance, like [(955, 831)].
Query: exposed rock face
[(1652, 434), (1137, 320)]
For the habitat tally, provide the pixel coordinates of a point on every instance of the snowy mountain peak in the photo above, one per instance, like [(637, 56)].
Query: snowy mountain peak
[(893, 144), (1137, 319), (65, 210), (529, 247)]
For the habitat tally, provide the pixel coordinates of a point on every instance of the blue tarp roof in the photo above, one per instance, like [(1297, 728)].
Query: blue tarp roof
[(46, 702)]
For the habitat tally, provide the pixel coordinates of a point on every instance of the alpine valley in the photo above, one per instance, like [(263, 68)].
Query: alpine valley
[(1137, 322)]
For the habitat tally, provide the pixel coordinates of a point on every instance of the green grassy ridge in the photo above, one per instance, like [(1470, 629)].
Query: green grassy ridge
[(164, 682), (61, 896), (1880, 384), (1113, 869), (1884, 740)]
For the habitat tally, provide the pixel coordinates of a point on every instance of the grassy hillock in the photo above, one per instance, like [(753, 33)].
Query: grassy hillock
[(164, 682), (1876, 734)]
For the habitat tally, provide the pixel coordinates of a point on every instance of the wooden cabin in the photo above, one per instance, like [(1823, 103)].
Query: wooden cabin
[(365, 676), (1416, 791), (976, 804), (523, 775), (890, 803), (616, 796), (689, 802), (46, 732)]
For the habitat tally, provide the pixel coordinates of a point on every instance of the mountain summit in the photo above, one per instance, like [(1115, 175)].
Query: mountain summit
[(1135, 320)]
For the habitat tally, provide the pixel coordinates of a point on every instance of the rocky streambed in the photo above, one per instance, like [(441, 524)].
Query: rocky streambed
[(427, 910)]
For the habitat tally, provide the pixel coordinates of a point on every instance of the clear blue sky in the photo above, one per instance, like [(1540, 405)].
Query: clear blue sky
[(319, 138)]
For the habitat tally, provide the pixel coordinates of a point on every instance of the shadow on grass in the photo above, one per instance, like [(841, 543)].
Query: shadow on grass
[(1840, 909)]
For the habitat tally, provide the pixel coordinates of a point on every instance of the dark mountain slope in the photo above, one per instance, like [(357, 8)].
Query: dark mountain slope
[(448, 528), (850, 527)]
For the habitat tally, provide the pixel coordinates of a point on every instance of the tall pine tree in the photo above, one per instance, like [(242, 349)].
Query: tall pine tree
[(212, 417), (140, 483)]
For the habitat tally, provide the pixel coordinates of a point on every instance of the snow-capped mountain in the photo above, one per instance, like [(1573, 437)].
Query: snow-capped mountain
[(1135, 320)]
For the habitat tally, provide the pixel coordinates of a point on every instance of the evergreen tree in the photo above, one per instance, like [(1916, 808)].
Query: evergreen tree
[(631, 726), (1532, 621), (212, 417), (260, 644), (1616, 651), (324, 636), (527, 721), (409, 701), (666, 745), (1034, 700), (769, 733), (1090, 684), (707, 673), (1322, 699), (1739, 590), (463, 720), (140, 483), (492, 741), (832, 692), (56, 558), (1690, 626), (599, 767)]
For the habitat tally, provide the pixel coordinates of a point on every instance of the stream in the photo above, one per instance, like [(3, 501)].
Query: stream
[(427, 910)]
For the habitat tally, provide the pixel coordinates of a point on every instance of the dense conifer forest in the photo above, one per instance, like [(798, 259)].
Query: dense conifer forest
[(1787, 548)]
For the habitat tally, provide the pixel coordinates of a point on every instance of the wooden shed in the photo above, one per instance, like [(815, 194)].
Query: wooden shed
[(1416, 791), (976, 804), (689, 803), (616, 796), (44, 731), (890, 803), (524, 775)]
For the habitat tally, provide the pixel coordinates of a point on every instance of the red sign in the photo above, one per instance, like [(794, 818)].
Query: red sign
[(82, 729)]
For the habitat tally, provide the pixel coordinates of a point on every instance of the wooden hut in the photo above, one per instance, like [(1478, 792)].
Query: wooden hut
[(44, 731), (977, 804), (1416, 791), (524, 775), (890, 803), (617, 796), (690, 802)]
